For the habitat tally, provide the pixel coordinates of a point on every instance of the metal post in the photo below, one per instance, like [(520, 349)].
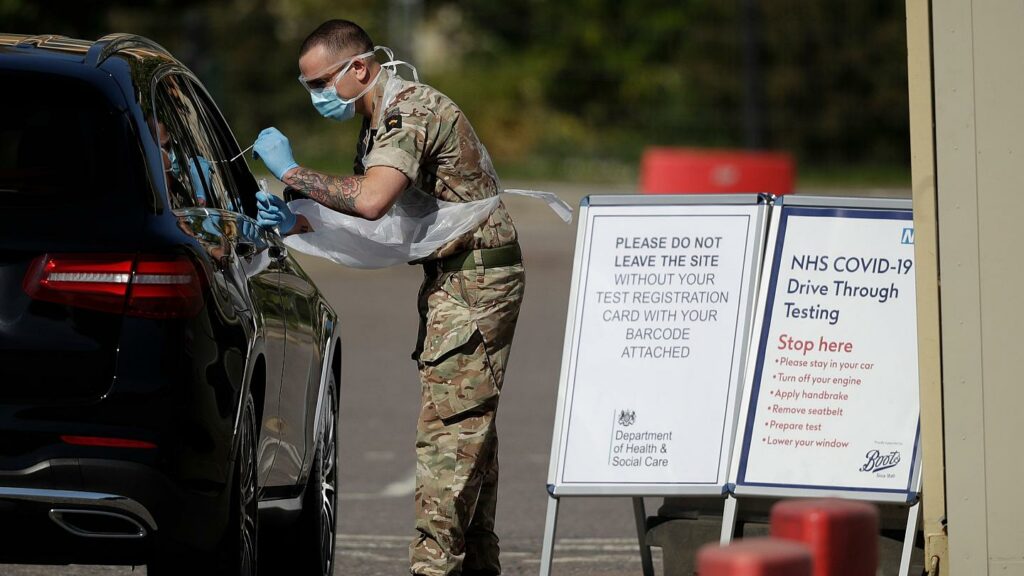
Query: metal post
[(753, 125), (548, 547), (641, 533), (729, 519), (908, 539)]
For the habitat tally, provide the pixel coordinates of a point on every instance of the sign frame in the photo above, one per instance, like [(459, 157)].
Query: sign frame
[(740, 489), (742, 338)]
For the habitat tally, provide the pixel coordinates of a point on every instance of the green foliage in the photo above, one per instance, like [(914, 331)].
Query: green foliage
[(572, 90)]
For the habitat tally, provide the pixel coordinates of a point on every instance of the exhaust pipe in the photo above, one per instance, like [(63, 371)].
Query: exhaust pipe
[(97, 524)]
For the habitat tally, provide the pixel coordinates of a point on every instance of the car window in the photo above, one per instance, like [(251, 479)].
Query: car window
[(239, 182), (190, 162), (60, 145), (173, 148)]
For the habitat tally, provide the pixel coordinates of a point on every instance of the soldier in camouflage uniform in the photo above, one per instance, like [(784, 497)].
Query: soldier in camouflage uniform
[(470, 298)]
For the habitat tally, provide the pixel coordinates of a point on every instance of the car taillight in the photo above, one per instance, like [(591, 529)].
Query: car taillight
[(106, 442), (146, 286), (165, 289)]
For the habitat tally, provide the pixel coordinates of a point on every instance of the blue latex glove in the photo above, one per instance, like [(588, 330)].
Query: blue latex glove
[(272, 147), (249, 231), (274, 211), (199, 184), (175, 168)]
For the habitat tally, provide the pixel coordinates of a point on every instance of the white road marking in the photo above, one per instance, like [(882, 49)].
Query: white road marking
[(403, 487), (370, 537), (358, 496), (596, 540), (400, 488), (606, 558), (374, 547), (364, 555)]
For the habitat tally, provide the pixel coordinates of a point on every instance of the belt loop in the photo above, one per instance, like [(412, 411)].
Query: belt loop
[(478, 259)]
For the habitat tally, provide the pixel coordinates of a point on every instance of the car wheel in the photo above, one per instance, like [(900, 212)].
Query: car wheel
[(237, 553), (240, 543), (307, 547), (328, 493)]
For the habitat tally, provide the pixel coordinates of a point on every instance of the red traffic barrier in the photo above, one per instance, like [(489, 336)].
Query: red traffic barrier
[(841, 534), (689, 171), (755, 557)]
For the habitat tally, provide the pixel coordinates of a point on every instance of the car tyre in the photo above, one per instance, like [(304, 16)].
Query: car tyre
[(307, 547), (237, 553), (240, 548)]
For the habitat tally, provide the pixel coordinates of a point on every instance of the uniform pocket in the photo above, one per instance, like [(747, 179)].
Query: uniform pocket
[(457, 370)]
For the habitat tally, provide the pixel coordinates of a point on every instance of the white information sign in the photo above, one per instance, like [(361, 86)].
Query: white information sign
[(656, 340), (832, 400)]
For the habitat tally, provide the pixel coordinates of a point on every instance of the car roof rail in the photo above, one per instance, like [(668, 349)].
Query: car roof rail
[(37, 40), (110, 44)]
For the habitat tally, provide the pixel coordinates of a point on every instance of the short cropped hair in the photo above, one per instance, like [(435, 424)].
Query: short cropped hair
[(338, 36)]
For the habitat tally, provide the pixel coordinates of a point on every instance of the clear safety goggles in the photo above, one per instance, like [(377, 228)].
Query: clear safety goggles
[(325, 78)]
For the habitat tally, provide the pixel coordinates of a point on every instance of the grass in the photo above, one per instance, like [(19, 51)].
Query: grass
[(853, 177)]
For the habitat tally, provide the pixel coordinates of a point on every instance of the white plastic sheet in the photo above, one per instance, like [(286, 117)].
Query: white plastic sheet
[(415, 227)]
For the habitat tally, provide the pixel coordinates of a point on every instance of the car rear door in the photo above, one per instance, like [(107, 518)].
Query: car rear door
[(73, 198)]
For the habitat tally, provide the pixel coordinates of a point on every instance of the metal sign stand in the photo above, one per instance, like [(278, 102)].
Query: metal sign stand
[(640, 515), (551, 526), (753, 210), (732, 452), (913, 517)]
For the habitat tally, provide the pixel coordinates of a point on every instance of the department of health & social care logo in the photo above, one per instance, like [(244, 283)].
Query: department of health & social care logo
[(627, 417)]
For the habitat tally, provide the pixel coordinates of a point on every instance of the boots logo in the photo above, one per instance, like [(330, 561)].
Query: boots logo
[(876, 461), (627, 417)]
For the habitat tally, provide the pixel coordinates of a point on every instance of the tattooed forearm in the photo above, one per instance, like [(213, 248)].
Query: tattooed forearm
[(335, 192)]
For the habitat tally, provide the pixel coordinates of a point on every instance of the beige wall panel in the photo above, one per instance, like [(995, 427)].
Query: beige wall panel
[(999, 94), (960, 286), (1004, 569), (929, 349)]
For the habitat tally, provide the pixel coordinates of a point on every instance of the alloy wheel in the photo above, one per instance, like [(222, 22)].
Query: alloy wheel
[(328, 486), (248, 506)]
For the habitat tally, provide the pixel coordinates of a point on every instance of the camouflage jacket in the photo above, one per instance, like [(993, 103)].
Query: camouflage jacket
[(424, 135)]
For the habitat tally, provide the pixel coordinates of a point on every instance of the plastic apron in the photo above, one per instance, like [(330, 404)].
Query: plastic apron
[(415, 227)]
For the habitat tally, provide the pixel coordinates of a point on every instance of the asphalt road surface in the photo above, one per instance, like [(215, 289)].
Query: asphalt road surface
[(380, 401)]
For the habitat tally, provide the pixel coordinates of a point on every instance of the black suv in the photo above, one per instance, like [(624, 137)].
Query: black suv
[(168, 373)]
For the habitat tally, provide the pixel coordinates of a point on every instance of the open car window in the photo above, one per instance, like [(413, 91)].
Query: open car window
[(239, 183), (192, 166)]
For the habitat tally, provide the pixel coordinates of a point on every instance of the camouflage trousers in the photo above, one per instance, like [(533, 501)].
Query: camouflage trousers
[(467, 320)]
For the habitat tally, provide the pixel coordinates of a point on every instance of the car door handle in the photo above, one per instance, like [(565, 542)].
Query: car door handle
[(244, 248), (278, 253)]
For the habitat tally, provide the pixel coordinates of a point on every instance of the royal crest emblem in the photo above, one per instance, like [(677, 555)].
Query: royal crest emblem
[(627, 417)]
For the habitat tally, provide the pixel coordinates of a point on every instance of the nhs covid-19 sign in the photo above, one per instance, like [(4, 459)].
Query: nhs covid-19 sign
[(833, 400)]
